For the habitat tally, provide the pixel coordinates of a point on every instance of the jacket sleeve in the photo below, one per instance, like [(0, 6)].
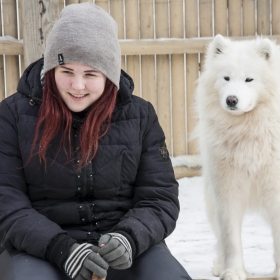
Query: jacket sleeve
[(21, 226), (156, 205)]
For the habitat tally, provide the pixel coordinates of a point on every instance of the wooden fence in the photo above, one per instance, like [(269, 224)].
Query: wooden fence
[(162, 41)]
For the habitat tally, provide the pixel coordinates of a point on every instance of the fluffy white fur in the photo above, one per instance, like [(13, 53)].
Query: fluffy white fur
[(238, 103), (191, 161)]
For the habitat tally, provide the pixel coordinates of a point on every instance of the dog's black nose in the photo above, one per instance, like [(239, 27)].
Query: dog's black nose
[(232, 101)]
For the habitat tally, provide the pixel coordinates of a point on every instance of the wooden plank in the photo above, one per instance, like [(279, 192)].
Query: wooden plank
[(275, 17), (117, 12), (263, 18), (163, 72), (20, 14), (38, 21), (205, 20), (61, 5), (164, 46), (132, 32), (249, 27), (220, 17), (234, 17), (10, 29), (104, 4), (192, 69), (148, 73), (49, 18), (182, 171), (68, 2), (175, 46), (10, 46), (191, 20), (206, 29), (178, 82)]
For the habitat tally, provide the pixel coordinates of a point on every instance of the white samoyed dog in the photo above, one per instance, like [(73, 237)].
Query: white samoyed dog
[(238, 105)]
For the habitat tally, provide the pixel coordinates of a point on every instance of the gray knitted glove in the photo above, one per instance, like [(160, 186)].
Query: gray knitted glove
[(83, 261), (117, 250)]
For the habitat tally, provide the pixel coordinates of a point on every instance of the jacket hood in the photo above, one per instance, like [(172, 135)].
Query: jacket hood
[(30, 84)]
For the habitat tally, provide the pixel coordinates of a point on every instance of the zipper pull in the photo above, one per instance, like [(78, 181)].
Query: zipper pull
[(31, 102)]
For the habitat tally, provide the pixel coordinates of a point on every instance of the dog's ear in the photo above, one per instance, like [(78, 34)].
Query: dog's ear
[(218, 45), (265, 48)]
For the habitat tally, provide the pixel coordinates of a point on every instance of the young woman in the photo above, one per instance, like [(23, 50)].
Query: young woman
[(86, 183)]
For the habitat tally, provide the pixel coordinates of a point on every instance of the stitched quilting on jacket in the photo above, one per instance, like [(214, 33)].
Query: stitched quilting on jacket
[(129, 186)]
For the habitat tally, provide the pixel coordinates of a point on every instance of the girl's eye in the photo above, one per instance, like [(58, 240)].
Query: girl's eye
[(90, 75), (66, 72), (248, 80), (227, 78)]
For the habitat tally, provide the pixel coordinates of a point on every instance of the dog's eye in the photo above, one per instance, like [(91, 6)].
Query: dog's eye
[(248, 80), (226, 78)]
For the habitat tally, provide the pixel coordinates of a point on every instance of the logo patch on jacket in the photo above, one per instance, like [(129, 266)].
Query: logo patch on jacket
[(164, 152), (60, 59)]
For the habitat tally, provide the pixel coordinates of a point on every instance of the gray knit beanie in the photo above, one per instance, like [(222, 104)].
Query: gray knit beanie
[(87, 34)]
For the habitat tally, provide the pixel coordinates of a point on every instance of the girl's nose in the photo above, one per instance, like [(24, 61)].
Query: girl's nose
[(78, 83)]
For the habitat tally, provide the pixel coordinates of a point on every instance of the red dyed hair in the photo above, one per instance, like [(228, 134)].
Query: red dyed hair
[(54, 117)]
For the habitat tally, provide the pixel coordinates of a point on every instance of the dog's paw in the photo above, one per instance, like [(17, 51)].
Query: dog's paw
[(233, 274), (217, 267)]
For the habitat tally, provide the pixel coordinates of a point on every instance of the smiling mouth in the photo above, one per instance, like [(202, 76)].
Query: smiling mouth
[(78, 95)]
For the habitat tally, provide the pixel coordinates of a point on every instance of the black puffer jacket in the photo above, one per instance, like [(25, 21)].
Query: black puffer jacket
[(129, 187)]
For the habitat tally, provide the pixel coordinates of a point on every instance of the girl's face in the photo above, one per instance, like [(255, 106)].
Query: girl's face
[(79, 85)]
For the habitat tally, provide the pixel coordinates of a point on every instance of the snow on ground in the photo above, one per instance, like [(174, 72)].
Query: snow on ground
[(193, 243)]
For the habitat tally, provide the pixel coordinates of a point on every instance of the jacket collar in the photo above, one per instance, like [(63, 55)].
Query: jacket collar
[(30, 82)]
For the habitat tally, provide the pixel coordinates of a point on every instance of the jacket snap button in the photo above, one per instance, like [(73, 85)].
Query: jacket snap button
[(90, 175), (96, 223), (83, 219), (79, 189), (81, 206), (79, 176), (88, 233), (78, 161), (92, 204)]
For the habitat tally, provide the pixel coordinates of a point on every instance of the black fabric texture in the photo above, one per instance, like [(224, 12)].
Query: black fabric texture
[(129, 187), (15, 265), (155, 263), (59, 249)]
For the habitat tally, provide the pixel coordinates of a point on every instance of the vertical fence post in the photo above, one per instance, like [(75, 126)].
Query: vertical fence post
[(132, 32), (192, 70), (39, 17), (177, 21), (148, 69), (11, 61), (163, 71)]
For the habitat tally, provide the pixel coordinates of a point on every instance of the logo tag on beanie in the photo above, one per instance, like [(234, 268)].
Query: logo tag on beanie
[(60, 59)]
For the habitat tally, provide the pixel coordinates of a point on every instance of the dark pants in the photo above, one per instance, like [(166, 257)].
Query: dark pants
[(157, 263)]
